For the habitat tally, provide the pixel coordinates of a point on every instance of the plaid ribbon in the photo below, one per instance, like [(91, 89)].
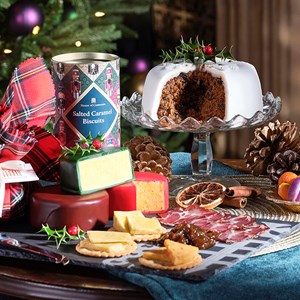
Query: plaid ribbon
[(28, 102)]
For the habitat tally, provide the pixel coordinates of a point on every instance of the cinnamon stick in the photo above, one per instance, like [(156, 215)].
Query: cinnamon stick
[(236, 202), (243, 191)]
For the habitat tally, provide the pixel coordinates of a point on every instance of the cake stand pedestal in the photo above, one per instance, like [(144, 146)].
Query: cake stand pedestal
[(201, 152)]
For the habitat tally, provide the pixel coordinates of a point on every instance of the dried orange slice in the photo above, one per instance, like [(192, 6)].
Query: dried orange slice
[(205, 194)]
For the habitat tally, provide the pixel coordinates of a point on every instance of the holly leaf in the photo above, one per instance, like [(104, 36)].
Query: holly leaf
[(194, 52), (83, 146), (61, 236)]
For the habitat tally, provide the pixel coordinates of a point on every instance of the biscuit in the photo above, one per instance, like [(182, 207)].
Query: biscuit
[(154, 265), (128, 248)]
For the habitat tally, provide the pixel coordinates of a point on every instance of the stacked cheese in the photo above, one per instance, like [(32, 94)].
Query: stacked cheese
[(93, 186), (135, 223), (173, 256), (106, 244)]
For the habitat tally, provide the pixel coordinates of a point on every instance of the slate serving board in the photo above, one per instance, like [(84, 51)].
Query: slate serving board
[(215, 259)]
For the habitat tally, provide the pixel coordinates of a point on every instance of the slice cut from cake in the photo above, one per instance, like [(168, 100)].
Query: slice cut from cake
[(223, 89), (149, 193)]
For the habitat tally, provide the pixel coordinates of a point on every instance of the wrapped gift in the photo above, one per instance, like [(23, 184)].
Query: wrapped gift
[(26, 106)]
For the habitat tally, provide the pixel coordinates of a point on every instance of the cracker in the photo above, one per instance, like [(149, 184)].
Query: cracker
[(154, 265), (145, 237), (128, 248)]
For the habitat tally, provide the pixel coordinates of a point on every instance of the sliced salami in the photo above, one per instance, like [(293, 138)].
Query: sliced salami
[(230, 228)]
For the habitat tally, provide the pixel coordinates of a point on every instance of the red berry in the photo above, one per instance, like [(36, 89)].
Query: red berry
[(84, 145), (198, 49), (97, 144), (73, 230), (208, 50)]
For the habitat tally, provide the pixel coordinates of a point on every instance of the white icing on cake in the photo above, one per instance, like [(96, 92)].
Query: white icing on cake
[(241, 82)]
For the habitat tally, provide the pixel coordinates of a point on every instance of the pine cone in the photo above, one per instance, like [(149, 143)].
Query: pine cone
[(287, 161), (149, 155), (268, 141)]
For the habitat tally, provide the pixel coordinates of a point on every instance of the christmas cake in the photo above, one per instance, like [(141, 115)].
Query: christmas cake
[(212, 85)]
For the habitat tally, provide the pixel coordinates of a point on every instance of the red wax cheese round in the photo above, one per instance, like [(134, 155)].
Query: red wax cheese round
[(49, 205), (149, 193)]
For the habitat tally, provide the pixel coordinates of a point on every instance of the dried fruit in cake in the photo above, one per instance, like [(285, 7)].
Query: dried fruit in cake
[(206, 194), (173, 256)]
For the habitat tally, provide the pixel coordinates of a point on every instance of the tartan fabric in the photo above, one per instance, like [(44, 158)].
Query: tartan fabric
[(44, 155), (27, 103), (13, 206)]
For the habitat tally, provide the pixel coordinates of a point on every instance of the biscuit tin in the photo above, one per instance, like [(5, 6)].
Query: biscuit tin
[(87, 89)]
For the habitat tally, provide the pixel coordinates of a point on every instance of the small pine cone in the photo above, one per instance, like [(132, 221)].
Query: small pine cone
[(269, 140), (149, 155), (287, 161)]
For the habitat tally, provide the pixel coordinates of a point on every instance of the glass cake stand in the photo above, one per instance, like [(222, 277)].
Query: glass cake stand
[(201, 151)]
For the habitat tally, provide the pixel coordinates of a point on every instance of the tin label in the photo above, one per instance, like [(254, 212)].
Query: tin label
[(87, 101)]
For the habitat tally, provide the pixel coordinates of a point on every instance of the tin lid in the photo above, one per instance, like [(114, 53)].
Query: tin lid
[(84, 57)]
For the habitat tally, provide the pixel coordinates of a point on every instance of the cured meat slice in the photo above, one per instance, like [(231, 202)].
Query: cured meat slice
[(230, 228)]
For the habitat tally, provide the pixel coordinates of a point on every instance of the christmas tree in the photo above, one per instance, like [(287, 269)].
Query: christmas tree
[(47, 28)]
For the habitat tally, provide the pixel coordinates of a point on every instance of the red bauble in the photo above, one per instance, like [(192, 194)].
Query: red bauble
[(23, 16)]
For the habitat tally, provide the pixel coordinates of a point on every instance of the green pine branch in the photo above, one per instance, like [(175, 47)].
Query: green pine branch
[(58, 35)]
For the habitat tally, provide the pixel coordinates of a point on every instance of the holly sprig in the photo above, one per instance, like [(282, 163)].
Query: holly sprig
[(84, 145), (195, 52), (64, 235)]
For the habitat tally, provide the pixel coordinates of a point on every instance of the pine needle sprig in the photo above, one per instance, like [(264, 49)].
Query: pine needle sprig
[(195, 52), (62, 236)]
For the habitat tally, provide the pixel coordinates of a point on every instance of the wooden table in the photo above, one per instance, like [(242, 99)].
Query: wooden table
[(37, 280)]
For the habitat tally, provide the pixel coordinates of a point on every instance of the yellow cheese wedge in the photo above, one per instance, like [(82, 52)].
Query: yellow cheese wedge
[(180, 253), (120, 219), (172, 254), (98, 237), (159, 254), (105, 247), (142, 225)]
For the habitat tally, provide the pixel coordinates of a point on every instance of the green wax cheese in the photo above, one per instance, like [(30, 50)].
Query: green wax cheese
[(88, 173)]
